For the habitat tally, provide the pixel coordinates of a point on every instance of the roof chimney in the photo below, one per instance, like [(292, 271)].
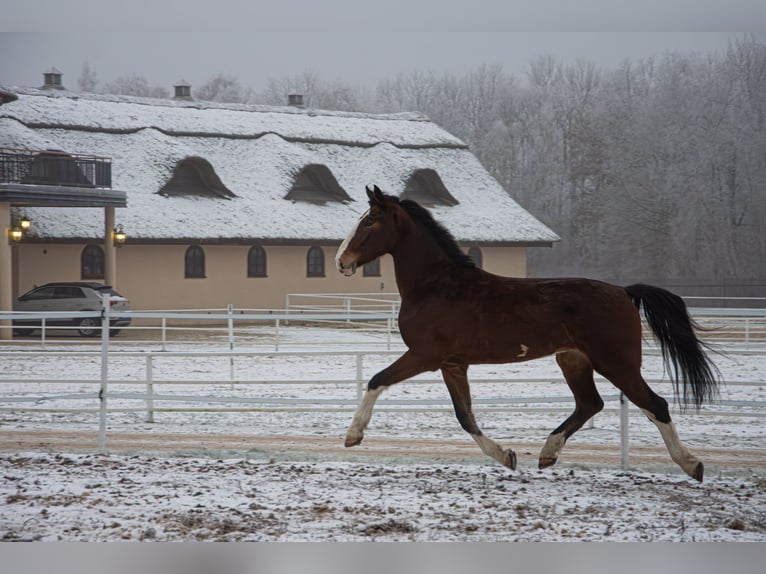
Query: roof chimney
[(52, 80), (183, 90), (295, 100)]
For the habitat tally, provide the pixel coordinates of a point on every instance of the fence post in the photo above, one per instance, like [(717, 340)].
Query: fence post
[(42, 334), (149, 388), (359, 377), (390, 324), (164, 328), (230, 320), (624, 432), (287, 306), (105, 307), (230, 324), (276, 341), (348, 309)]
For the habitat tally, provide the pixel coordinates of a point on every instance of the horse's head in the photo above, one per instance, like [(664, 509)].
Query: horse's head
[(373, 235)]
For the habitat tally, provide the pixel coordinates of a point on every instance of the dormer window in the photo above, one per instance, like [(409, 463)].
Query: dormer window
[(194, 176), (315, 183), (426, 187)]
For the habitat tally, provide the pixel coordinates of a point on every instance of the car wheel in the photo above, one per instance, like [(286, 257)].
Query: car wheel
[(23, 332), (90, 327), (114, 332)]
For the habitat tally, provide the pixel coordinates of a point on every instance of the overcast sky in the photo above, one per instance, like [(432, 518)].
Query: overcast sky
[(349, 40)]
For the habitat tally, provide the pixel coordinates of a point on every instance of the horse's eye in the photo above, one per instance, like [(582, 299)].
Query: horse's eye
[(368, 221)]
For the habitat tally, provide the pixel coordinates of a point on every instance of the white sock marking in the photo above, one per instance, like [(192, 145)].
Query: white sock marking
[(678, 452), (363, 413), (553, 445)]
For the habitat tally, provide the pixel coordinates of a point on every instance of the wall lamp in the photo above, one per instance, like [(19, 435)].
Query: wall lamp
[(22, 225), (119, 235)]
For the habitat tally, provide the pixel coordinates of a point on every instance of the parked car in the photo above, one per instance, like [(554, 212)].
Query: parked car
[(71, 297)]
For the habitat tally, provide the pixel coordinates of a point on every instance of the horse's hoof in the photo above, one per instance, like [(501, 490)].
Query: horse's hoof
[(546, 462), (353, 440), (698, 472), (510, 459)]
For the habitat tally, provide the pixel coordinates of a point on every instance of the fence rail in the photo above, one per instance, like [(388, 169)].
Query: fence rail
[(741, 330), (744, 328), (47, 167), (154, 396)]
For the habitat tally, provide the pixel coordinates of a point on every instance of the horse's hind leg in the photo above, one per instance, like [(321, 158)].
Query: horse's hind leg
[(578, 372), (656, 409), (456, 378)]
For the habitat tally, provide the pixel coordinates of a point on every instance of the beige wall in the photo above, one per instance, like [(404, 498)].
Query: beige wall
[(152, 276)]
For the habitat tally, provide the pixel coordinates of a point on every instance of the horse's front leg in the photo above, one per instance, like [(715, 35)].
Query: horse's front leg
[(456, 378), (405, 367)]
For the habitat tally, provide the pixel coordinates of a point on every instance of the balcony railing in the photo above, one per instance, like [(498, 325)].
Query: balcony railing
[(53, 167)]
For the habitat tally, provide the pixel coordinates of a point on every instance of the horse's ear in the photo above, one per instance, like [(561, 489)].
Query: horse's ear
[(376, 196), (380, 199)]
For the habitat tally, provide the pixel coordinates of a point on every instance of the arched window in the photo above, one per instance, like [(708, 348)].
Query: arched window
[(372, 269), (475, 254), (256, 261), (194, 262), (92, 262), (315, 262)]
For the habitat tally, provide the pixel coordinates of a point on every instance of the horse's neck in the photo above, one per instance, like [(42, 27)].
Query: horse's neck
[(417, 258)]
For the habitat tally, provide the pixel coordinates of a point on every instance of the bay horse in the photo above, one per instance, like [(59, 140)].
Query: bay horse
[(454, 314)]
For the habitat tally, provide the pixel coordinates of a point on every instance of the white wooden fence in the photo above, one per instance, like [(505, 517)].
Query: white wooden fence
[(156, 391)]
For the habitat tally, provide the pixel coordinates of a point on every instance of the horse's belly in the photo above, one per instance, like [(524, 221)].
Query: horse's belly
[(470, 346)]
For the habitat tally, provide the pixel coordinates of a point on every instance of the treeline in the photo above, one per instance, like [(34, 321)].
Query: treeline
[(654, 169)]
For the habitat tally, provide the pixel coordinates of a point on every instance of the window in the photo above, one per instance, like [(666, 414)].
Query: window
[(67, 292), (194, 262), (92, 262), (256, 261), (372, 269), (315, 183), (475, 254), (315, 262), (426, 187), (39, 294), (195, 176)]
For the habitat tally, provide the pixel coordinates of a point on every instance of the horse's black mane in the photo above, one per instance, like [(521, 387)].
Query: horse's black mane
[(441, 234)]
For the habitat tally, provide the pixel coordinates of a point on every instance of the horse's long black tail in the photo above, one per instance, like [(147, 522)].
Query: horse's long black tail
[(695, 377)]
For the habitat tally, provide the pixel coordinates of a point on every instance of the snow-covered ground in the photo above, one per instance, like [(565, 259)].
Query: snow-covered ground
[(95, 497), (74, 493)]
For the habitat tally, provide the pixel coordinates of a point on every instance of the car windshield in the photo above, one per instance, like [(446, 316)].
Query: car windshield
[(42, 293)]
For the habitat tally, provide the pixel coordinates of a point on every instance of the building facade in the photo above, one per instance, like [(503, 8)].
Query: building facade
[(236, 204)]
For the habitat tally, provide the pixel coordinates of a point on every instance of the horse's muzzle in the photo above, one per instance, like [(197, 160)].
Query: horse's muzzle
[(348, 271)]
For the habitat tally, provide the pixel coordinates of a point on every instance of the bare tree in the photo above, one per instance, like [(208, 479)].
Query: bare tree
[(135, 85), (88, 80), (223, 88)]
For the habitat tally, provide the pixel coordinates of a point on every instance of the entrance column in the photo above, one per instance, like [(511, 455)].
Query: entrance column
[(6, 269), (110, 255)]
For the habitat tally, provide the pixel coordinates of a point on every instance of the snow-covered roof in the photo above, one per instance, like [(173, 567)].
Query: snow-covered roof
[(256, 151)]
